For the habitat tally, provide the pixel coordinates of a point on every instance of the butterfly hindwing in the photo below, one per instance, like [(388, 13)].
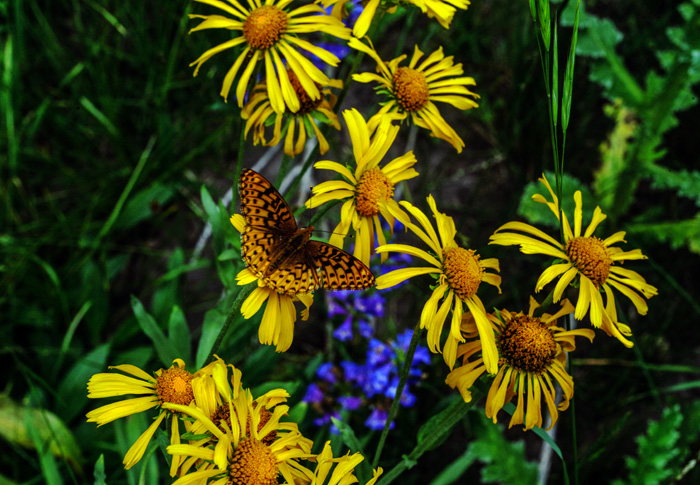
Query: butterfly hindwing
[(339, 269)]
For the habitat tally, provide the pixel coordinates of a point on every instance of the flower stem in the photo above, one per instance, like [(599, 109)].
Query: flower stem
[(232, 314), (449, 418), (403, 377)]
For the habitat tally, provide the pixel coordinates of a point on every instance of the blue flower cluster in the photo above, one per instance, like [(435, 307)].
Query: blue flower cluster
[(348, 386), (340, 49)]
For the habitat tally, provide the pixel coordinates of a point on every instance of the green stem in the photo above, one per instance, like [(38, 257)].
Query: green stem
[(403, 377), (232, 314), (454, 414), (572, 415), (239, 161)]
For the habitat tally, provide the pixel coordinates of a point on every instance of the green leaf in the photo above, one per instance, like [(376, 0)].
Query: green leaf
[(179, 334), (213, 321), (555, 77), (229, 254), (99, 471), (298, 412), (676, 233), (569, 75), (72, 388), (544, 22), (350, 440), (685, 183), (504, 460), (656, 449), (614, 154), (454, 471), (41, 430), (539, 214), (433, 428), (143, 205), (148, 324), (100, 117)]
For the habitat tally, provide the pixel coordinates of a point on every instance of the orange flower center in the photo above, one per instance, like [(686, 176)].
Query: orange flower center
[(175, 386), (307, 105), (264, 27), (463, 271), (252, 463), (410, 89), (591, 258), (222, 414), (373, 189), (526, 343)]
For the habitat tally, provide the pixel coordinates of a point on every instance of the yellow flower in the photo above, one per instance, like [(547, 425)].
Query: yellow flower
[(589, 263), (258, 114), (173, 385), (532, 351), (247, 442), (459, 274), (277, 324), (442, 10), (415, 88), (344, 466), (369, 192), (269, 34)]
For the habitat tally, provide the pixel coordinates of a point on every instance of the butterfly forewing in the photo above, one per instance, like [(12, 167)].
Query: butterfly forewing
[(262, 206), (282, 255)]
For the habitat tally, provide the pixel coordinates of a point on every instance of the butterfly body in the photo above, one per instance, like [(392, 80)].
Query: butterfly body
[(284, 256)]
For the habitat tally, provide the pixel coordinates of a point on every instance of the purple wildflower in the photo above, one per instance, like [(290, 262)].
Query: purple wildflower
[(344, 332), (377, 420)]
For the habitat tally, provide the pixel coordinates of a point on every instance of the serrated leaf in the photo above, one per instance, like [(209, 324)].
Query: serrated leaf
[(684, 182), (676, 234), (656, 449), (539, 214), (613, 154), (504, 460)]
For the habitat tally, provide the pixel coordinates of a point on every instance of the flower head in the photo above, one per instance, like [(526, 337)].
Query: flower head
[(459, 273), (342, 467), (369, 191), (414, 89), (269, 33), (172, 385), (532, 351), (239, 439), (441, 10), (588, 263), (299, 124), (277, 324)]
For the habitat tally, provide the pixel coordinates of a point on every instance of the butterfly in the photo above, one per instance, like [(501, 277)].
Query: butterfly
[(284, 256)]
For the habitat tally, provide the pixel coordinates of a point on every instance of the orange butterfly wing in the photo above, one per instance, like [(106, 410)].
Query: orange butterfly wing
[(282, 255)]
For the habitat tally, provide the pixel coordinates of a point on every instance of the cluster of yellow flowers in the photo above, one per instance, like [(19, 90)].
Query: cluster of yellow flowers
[(220, 432)]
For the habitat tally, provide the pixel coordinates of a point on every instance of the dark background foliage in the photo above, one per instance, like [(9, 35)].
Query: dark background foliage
[(107, 140)]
